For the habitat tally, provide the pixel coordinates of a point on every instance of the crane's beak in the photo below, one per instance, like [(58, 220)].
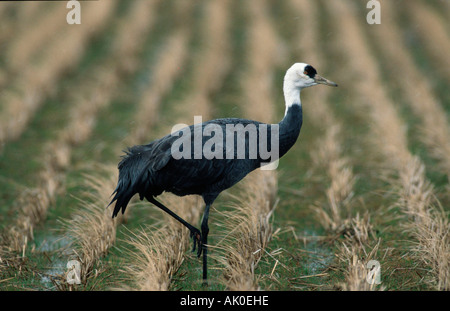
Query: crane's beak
[(322, 80)]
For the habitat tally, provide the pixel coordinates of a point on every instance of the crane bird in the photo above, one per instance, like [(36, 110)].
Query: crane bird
[(149, 170)]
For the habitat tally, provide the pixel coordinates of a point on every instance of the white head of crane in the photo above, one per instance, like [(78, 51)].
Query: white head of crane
[(298, 77)]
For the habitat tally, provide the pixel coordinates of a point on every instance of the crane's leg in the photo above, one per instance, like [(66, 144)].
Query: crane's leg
[(205, 231), (195, 233)]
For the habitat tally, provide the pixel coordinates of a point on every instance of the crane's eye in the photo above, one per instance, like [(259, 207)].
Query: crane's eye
[(310, 71)]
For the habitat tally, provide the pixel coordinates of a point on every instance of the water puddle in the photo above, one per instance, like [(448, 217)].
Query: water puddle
[(56, 249)]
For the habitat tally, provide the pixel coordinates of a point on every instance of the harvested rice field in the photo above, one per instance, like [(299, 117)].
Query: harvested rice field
[(360, 203)]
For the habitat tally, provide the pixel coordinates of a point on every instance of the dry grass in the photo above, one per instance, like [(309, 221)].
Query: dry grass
[(132, 33), (93, 243), (211, 63), (156, 253), (388, 133), (261, 61), (306, 49), (357, 275), (334, 210), (33, 209), (8, 23), (248, 230), (415, 192), (27, 91), (428, 224), (91, 228), (433, 33), (28, 42), (416, 89), (431, 245), (334, 213), (92, 96), (167, 69), (14, 27), (32, 206)]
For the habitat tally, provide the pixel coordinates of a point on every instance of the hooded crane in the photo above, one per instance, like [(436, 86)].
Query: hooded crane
[(156, 167)]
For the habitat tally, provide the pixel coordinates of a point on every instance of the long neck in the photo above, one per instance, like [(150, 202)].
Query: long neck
[(291, 124)]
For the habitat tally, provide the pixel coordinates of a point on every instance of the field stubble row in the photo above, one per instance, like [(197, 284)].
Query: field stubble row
[(31, 86)]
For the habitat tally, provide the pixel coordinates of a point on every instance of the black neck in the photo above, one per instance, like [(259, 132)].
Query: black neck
[(290, 128)]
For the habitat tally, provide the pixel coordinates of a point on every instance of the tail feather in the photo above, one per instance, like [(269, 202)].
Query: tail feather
[(122, 197), (131, 169)]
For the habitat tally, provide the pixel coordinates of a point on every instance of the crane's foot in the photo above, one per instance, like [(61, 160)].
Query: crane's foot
[(197, 239)]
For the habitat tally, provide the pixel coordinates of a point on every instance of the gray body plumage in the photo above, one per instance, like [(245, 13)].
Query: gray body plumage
[(149, 170)]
